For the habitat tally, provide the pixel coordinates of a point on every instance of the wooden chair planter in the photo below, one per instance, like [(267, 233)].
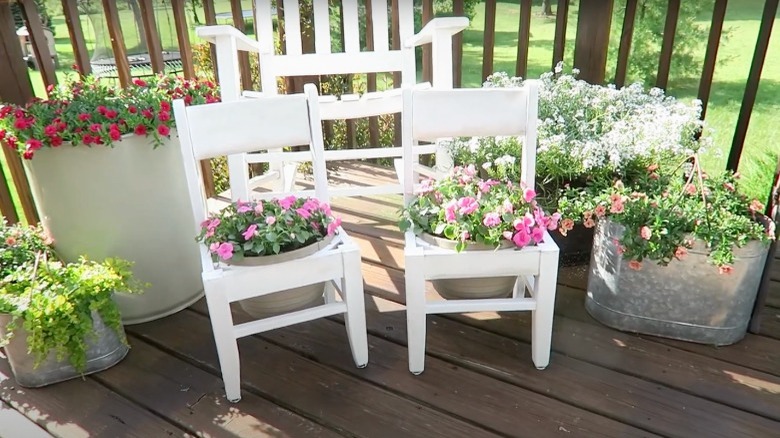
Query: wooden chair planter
[(229, 41), (270, 122), (432, 114)]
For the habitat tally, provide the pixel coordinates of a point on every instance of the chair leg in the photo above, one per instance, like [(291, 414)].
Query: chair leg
[(542, 316), (227, 346), (352, 287), (415, 317)]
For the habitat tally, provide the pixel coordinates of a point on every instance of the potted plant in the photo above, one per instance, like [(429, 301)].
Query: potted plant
[(677, 254), (466, 213), (268, 232), (105, 161), (58, 321), (588, 133)]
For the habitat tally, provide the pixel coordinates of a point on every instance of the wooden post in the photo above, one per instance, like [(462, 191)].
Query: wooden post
[(590, 47), (489, 38), (396, 36), (73, 20), (427, 59), (152, 36), (373, 122), (713, 42), (39, 41), (754, 77), (211, 20), (561, 23), (625, 43), (523, 38), (667, 46), (15, 87), (458, 10), (243, 57), (183, 36), (117, 41)]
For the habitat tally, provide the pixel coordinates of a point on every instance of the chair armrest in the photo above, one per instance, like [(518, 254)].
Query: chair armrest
[(447, 26), (243, 42)]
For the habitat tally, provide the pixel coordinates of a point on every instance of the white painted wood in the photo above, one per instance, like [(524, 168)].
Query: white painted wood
[(321, 27), (438, 113), (294, 63), (288, 319), (351, 26), (265, 26), (335, 63), (380, 25), (482, 305), (292, 27), (267, 123)]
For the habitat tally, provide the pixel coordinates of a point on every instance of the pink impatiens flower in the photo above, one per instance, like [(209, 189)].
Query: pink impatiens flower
[(521, 238), (287, 202), (537, 234), (242, 207), (333, 226), (250, 232), (304, 213), (259, 208), (645, 232), (467, 205), (491, 219), (529, 194), (449, 212), (270, 220)]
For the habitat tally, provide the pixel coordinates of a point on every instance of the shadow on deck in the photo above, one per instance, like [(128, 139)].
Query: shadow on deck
[(479, 378)]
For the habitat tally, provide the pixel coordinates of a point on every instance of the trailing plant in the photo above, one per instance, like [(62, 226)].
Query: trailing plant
[(465, 208), (666, 211), (86, 111), (53, 301), (250, 229)]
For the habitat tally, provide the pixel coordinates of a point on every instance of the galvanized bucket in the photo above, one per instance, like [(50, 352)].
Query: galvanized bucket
[(104, 350), (686, 300), (471, 288)]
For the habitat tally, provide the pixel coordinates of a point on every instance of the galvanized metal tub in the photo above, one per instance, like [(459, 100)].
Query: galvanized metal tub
[(686, 300), (104, 350), (470, 288)]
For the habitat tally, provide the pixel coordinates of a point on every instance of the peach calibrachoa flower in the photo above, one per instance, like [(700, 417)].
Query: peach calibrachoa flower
[(645, 232), (635, 265), (725, 269), (680, 252)]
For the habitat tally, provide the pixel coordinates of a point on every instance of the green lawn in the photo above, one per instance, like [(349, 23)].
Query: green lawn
[(735, 54)]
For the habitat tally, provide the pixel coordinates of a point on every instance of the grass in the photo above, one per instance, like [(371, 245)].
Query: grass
[(735, 55)]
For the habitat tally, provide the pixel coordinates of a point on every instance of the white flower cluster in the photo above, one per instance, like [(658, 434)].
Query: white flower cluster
[(601, 127)]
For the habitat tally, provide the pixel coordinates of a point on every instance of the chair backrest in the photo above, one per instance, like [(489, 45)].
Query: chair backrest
[(433, 114), (229, 128), (325, 61)]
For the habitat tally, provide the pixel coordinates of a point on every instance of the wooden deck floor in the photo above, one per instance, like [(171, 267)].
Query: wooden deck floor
[(479, 379)]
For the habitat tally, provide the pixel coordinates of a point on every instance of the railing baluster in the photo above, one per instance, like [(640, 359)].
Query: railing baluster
[(561, 22), (396, 35), (153, 43), (117, 41), (590, 48), (489, 38), (39, 41), (7, 207), (625, 43), (523, 37), (373, 122), (458, 10), (427, 54), (716, 28), (243, 57), (751, 89), (665, 62), (183, 36), (73, 21)]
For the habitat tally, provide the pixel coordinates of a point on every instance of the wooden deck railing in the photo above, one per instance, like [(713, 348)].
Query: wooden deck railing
[(590, 54)]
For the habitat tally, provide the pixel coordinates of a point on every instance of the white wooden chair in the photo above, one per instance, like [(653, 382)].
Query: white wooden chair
[(229, 41), (432, 114), (207, 131)]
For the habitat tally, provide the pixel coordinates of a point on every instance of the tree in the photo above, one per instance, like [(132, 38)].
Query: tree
[(547, 8)]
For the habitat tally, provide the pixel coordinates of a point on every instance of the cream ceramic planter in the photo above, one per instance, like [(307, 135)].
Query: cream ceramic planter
[(470, 288), (287, 300), (129, 201)]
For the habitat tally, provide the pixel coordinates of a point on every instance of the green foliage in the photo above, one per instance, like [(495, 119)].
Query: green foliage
[(464, 208), (249, 229), (55, 301), (668, 210), (690, 39)]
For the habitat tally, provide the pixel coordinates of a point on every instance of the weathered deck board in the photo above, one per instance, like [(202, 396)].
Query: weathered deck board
[(341, 402), (443, 385), (80, 408), (13, 423), (479, 378), (194, 399)]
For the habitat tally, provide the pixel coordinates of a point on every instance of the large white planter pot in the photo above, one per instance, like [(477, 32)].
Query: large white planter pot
[(129, 201)]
